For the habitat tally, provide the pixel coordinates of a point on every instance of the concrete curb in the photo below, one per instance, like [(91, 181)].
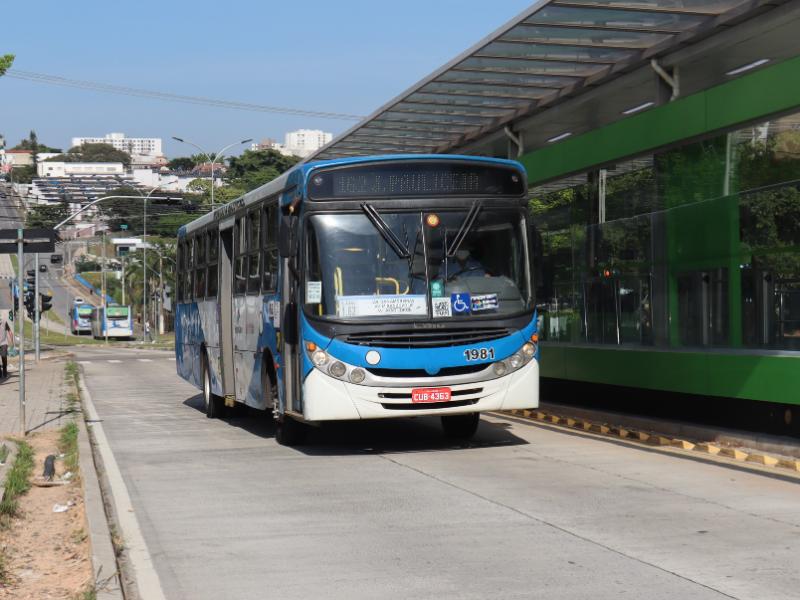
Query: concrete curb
[(755, 462), (141, 578), (104, 560)]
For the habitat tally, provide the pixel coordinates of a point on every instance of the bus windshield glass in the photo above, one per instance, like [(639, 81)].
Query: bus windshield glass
[(355, 273), (117, 312), (85, 311)]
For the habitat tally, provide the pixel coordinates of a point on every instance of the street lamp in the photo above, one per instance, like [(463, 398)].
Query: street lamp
[(213, 160)]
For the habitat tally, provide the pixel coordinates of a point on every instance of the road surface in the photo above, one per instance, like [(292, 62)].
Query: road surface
[(391, 510)]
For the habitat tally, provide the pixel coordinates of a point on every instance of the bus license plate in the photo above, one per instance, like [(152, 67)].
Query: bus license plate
[(440, 394)]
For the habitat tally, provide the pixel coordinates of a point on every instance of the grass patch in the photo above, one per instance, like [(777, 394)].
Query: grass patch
[(17, 479), (68, 445), (3, 453), (5, 575), (88, 594), (72, 373)]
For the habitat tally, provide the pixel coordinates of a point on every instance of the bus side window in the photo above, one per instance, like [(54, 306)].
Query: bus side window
[(179, 270), (200, 266), (240, 243), (270, 259), (189, 279), (211, 270), (253, 242)]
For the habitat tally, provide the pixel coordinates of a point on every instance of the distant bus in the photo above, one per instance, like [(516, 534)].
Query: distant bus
[(80, 319), (115, 319), (364, 288)]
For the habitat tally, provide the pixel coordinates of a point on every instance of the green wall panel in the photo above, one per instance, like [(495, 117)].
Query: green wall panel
[(766, 91), (772, 378)]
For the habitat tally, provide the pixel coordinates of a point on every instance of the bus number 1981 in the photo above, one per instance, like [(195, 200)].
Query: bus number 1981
[(479, 353)]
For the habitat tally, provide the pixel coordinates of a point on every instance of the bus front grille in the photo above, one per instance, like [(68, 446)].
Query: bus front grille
[(428, 405), (414, 338)]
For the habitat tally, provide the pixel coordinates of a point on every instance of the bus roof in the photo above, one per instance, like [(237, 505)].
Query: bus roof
[(298, 175)]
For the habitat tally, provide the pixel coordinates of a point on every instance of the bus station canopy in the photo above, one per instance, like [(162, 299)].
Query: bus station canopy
[(563, 67)]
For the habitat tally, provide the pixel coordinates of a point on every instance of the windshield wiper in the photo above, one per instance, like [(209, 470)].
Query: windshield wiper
[(469, 221), (388, 235)]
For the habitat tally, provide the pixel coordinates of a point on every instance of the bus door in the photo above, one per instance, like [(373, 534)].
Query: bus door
[(290, 326), (225, 307)]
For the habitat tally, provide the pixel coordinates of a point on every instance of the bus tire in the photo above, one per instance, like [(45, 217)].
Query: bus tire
[(289, 432), (214, 404), (461, 427)]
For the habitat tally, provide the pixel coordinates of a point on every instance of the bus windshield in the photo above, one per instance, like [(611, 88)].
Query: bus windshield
[(355, 272), (85, 311), (115, 313)]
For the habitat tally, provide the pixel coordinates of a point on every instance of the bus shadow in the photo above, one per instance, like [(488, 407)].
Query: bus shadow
[(378, 436)]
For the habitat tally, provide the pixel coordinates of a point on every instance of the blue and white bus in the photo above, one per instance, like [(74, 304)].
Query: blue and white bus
[(113, 321), (80, 318), (364, 288)]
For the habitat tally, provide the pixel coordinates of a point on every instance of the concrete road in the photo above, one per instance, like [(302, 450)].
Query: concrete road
[(391, 510)]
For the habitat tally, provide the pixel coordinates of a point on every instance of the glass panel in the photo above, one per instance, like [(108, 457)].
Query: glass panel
[(449, 121), (547, 83), (200, 283), (270, 270), (566, 15), (434, 127), (200, 249), (450, 109), (703, 308), (272, 225), (254, 273), (254, 230), (213, 246), (711, 7), (240, 275), (575, 54), (241, 236), (211, 281), (532, 67), (580, 35), (376, 134), (473, 101), (481, 90)]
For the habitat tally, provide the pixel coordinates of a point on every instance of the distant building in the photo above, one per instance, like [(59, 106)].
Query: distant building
[(305, 141), (65, 169), (270, 144), (19, 158), (144, 151)]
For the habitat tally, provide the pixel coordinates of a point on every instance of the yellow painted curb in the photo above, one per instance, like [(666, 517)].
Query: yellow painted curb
[(708, 448), (733, 453), (763, 459), (661, 440)]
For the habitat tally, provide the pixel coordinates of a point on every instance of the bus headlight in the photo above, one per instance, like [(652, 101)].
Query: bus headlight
[(516, 360), (500, 369), (319, 358), (529, 350), (337, 369), (357, 375)]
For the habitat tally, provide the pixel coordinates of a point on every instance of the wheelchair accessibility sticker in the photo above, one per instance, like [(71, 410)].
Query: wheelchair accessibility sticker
[(460, 303)]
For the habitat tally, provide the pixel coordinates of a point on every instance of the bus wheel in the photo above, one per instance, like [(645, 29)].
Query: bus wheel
[(213, 403), (289, 432), (461, 426)]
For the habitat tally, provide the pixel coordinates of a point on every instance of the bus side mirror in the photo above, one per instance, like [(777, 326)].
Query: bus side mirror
[(287, 236)]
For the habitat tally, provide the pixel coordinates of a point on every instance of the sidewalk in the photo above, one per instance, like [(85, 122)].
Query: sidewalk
[(45, 396)]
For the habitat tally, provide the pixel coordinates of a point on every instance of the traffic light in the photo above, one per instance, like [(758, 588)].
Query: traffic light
[(31, 279), (30, 304), (45, 302)]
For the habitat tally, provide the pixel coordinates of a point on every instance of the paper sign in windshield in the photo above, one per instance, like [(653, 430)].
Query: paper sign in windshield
[(381, 306), (313, 292)]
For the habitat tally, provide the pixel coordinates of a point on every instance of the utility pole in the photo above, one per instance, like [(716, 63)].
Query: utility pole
[(21, 322), (36, 307), (103, 286), (161, 294)]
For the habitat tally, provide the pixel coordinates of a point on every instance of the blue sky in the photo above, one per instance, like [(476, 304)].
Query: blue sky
[(349, 56)]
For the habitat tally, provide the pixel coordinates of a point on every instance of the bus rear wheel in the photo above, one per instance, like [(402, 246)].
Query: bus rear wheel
[(461, 427), (289, 432), (213, 403)]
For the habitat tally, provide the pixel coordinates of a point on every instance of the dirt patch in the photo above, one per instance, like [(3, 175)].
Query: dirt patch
[(47, 554)]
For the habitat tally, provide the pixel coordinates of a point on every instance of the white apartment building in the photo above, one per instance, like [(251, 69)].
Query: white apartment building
[(65, 169), (145, 147), (305, 141)]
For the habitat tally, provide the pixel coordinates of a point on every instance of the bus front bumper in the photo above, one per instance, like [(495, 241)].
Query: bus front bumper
[(326, 398)]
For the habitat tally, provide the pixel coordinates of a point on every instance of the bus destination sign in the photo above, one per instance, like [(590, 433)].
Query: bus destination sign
[(420, 180)]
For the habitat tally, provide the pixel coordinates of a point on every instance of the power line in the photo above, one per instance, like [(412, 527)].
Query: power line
[(141, 93)]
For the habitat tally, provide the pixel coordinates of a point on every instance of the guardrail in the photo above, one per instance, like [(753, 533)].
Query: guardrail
[(85, 283)]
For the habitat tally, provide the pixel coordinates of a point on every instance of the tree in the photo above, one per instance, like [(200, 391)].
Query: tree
[(181, 163), (97, 153), (5, 63), (200, 190), (47, 215), (257, 167)]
